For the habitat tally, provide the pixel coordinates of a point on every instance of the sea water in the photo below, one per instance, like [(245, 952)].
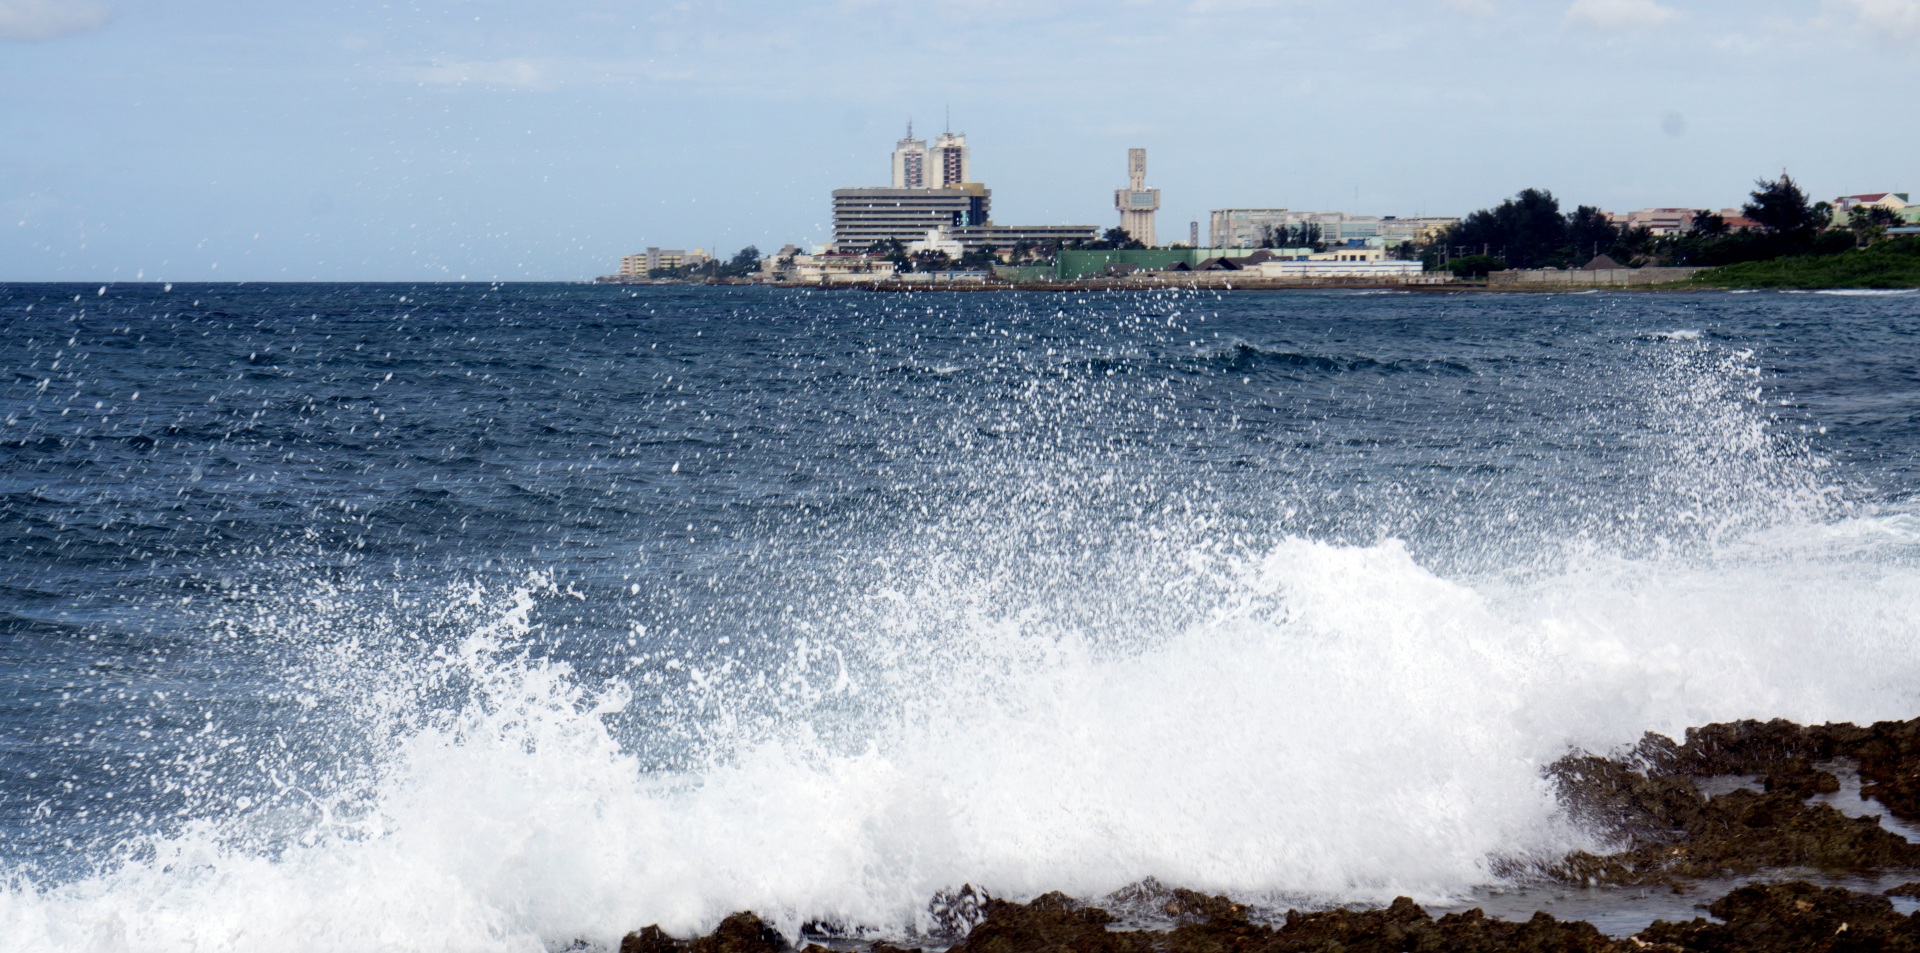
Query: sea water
[(475, 617)]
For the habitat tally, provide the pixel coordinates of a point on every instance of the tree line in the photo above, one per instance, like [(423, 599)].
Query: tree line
[(1529, 231)]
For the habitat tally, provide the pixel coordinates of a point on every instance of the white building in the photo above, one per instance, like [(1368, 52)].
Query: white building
[(654, 259), (949, 166), (1136, 202), (938, 240), (1249, 227), (1359, 262), (824, 269), (910, 162)]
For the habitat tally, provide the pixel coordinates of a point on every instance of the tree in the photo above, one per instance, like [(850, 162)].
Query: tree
[(745, 262), (1782, 208), (1869, 223), (1590, 235), (1709, 223), (1120, 238), (1526, 230)]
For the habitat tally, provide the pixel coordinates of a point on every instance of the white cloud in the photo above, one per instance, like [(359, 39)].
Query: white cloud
[(1477, 8), (47, 19), (1892, 21), (1622, 14), (511, 73)]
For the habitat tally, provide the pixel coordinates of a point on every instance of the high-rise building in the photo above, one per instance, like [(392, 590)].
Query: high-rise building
[(948, 157), (931, 192), (910, 162), (1136, 202)]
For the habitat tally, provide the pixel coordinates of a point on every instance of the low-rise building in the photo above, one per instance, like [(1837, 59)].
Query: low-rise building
[(1658, 221), (939, 241), (1000, 237), (825, 268), (1252, 227), (1891, 201), (646, 263)]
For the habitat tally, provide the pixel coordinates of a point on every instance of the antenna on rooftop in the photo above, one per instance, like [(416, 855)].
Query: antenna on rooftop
[(949, 117)]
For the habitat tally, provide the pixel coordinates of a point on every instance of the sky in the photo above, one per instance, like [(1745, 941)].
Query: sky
[(197, 140)]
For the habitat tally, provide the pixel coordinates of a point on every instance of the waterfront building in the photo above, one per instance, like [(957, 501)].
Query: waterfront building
[(654, 259), (826, 268), (1000, 237), (910, 162), (1249, 227), (868, 216), (1136, 202)]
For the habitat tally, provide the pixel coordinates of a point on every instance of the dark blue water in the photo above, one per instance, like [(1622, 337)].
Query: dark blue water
[(293, 574)]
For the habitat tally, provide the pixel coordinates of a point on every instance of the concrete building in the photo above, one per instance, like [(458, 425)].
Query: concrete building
[(1136, 202), (791, 265), (1658, 221), (864, 217), (1395, 230), (655, 259), (910, 162), (1247, 227), (939, 240), (950, 166), (1891, 201), (1007, 236)]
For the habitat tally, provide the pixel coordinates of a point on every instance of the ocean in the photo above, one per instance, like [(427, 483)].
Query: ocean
[(516, 617)]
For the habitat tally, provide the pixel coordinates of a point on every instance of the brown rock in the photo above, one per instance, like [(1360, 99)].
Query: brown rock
[(650, 940), (1801, 779), (1052, 923), (1791, 918), (741, 933)]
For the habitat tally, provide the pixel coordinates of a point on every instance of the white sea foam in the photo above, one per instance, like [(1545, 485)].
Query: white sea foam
[(1680, 335), (1346, 726)]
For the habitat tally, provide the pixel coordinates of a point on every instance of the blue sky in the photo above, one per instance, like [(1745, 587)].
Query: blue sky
[(225, 140)]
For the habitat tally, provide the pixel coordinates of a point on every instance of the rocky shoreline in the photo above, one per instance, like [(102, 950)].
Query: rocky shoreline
[(1755, 800)]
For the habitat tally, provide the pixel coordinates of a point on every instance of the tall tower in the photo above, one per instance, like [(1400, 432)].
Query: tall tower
[(910, 162), (950, 168), (1136, 202)]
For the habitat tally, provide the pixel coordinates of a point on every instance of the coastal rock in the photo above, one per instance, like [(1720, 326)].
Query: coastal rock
[(1801, 779), (1887, 752), (738, 933), (1667, 830), (1056, 924), (1791, 918), (650, 939), (1052, 923), (1743, 831)]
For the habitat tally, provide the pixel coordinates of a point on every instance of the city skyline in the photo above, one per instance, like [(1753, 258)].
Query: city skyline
[(217, 141)]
